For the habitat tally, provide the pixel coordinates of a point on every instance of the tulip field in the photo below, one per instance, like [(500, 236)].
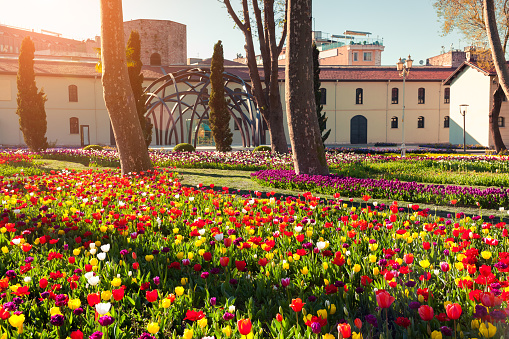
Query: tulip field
[(94, 254)]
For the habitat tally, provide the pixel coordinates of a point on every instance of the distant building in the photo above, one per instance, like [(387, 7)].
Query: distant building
[(352, 48), (163, 42), (453, 58), (46, 43)]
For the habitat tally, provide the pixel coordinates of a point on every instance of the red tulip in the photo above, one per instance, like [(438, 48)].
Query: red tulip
[(490, 300), (118, 294), (207, 256), (297, 305), (43, 283), (93, 299), (241, 265), (453, 311), (244, 326), (409, 258), (151, 296), (224, 261), (444, 266), (345, 330), (279, 317), (77, 334), (384, 299), (227, 242), (426, 312)]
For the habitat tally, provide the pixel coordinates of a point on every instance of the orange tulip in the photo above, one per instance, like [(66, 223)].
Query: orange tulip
[(297, 305), (358, 323), (345, 330)]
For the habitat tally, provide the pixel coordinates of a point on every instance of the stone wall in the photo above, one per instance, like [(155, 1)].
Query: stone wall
[(451, 58), (167, 38)]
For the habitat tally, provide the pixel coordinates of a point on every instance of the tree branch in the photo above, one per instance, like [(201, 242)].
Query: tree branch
[(243, 27)]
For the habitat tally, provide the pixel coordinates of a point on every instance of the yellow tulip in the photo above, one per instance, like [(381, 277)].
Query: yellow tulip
[(55, 310), (486, 255), (183, 281), (487, 332), (94, 261), (74, 304), (227, 331), (166, 303), (436, 335), (153, 328), (188, 333), (424, 263), (325, 266), (179, 290), (202, 322), (106, 295), (356, 335), (332, 309), (17, 320), (474, 324), (322, 314), (356, 268), (116, 282), (328, 336), (304, 270)]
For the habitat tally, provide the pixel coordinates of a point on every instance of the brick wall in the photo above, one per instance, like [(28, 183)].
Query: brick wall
[(451, 58), (167, 38)]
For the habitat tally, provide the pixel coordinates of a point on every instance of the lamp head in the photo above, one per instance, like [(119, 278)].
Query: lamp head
[(399, 65), (409, 62)]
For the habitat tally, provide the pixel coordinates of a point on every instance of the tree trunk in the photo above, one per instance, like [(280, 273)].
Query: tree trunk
[(498, 96), (118, 95), (268, 99), (307, 147), (497, 51)]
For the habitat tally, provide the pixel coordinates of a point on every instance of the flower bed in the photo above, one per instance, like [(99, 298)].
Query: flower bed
[(385, 189), (97, 254)]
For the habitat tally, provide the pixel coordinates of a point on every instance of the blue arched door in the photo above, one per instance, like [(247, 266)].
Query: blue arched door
[(359, 130)]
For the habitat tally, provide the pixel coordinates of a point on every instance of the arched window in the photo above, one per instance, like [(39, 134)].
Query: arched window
[(421, 96), (420, 122), (323, 97), (155, 59), (74, 125), (394, 122), (358, 96), (446, 121), (447, 95), (395, 95), (501, 122), (73, 93)]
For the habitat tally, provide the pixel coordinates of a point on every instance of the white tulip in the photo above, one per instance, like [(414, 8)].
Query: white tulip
[(103, 308), (16, 241), (94, 280), (93, 251), (320, 245), (89, 275), (219, 236), (101, 256), (105, 248), (231, 309), (27, 280), (92, 245)]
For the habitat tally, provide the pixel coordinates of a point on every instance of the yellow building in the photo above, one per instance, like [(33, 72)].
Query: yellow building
[(363, 104)]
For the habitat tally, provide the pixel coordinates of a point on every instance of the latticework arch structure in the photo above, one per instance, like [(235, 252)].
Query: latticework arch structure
[(177, 103)]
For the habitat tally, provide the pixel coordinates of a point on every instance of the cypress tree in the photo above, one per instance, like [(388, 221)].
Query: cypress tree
[(32, 115), (322, 119), (219, 116), (134, 64)]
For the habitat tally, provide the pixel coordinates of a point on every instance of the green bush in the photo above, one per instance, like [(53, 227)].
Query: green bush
[(262, 148), (183, 147), (93, 148)]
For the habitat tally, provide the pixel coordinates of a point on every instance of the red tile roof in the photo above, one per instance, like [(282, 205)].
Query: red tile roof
[(345, 73)]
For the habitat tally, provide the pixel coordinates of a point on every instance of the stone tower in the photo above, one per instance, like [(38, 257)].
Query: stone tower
[(163, 42)]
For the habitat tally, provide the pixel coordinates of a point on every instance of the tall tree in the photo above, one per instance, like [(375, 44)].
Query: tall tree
[(468, 17), (497, 50), (322, 119), (267, 99), (32, 115), (118, 95), (307, 147), (134, 64), (219, 116)]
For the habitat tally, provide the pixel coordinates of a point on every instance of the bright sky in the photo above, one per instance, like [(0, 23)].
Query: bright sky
[(407, 27)]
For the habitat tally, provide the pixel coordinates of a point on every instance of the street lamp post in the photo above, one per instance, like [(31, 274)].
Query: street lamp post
[(463, 112), (403, 69)]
